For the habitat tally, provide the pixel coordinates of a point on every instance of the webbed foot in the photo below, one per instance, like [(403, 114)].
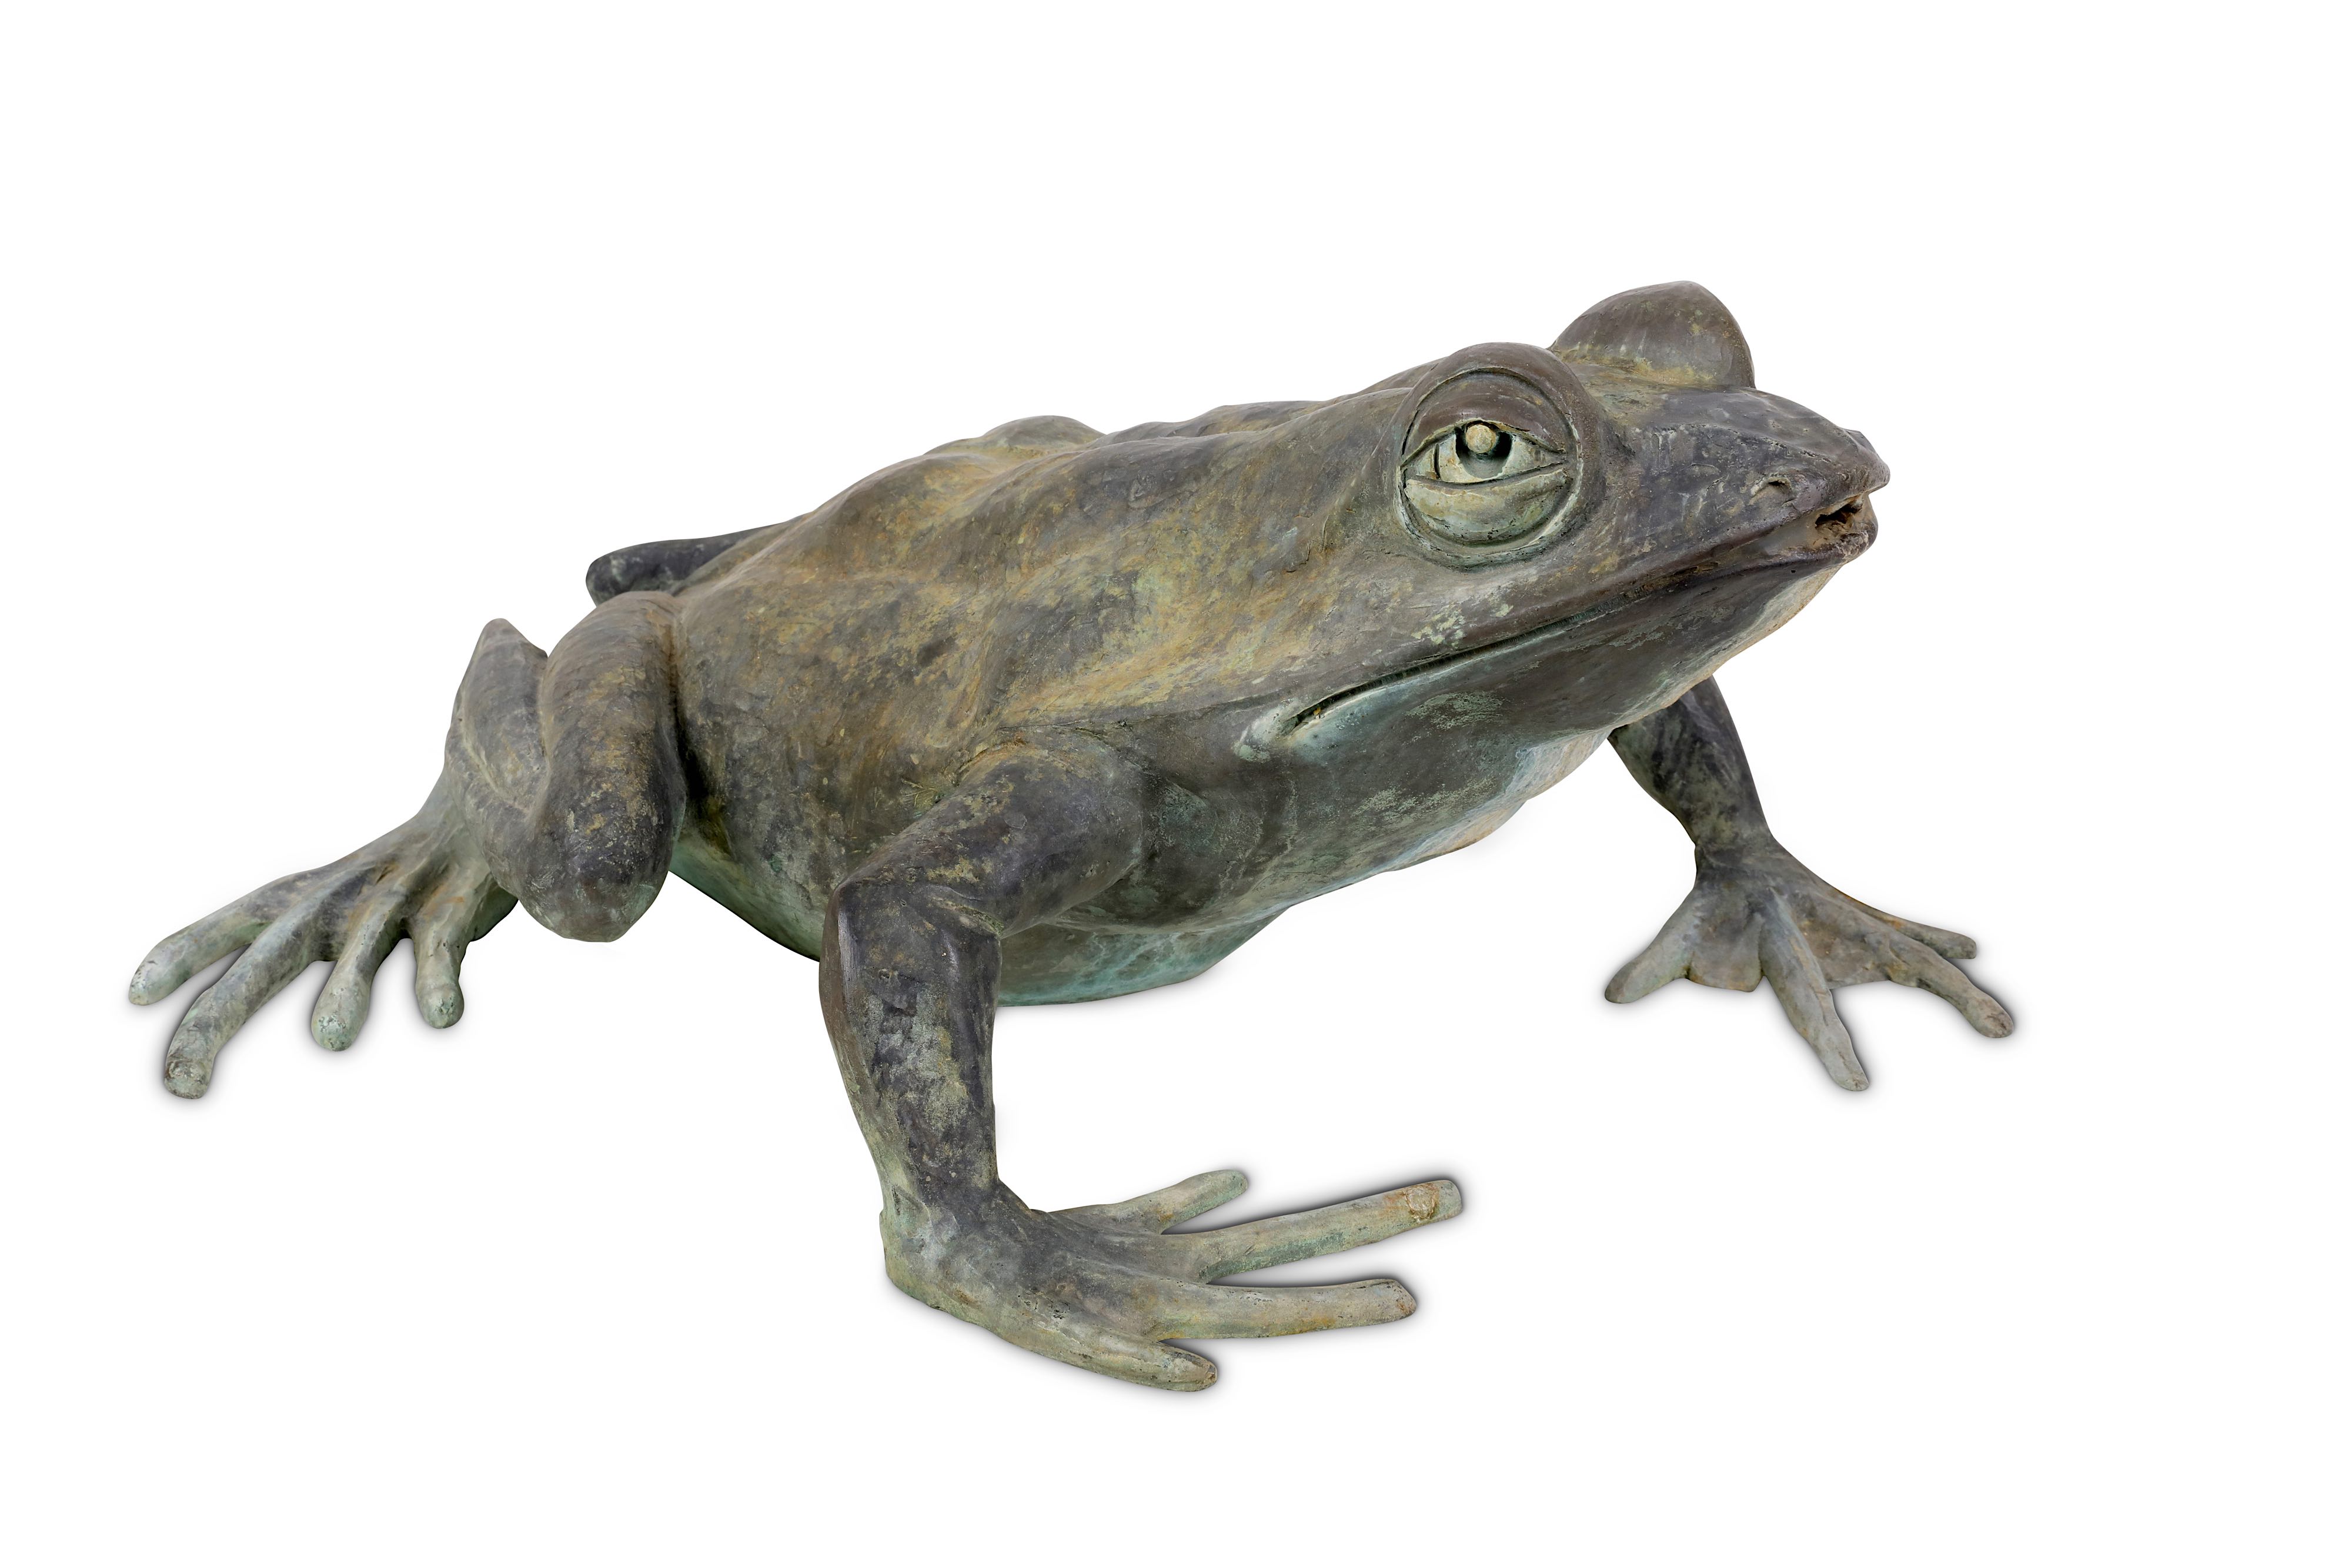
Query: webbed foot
[(424, 879), (1761, 916), (1102, 1287)]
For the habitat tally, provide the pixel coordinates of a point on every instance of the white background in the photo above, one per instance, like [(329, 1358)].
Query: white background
[(333, 332)]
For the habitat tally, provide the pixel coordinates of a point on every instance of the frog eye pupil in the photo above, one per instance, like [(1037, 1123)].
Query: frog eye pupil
[(1484, 441)]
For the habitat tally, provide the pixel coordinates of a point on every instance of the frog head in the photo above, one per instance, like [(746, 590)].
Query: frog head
[(1558, 540)]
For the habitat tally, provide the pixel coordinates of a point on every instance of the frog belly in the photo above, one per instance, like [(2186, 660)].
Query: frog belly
[(1044, 963), (1073, 964)]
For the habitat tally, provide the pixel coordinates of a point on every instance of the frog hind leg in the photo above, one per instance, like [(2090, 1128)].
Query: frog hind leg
[(560, 788)]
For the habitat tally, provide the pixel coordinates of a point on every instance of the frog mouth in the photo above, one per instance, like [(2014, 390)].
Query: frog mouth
[(1428, 670), (1798, 547)]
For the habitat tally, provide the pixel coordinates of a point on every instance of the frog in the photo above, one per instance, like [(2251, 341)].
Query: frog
[(1051, 714)]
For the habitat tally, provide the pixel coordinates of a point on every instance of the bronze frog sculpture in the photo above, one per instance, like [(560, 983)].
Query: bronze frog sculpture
[(1051, 714)]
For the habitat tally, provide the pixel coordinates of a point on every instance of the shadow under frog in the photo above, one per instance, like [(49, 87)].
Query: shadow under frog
[(1051, 714)]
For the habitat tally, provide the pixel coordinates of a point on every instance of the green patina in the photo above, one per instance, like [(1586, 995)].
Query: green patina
[(1051, 714)]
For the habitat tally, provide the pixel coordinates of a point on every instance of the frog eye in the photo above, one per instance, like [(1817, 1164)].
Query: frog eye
[(1482, 482), (1495, 458), (1480, 452)]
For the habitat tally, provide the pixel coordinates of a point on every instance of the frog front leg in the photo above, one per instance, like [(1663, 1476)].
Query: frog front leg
[(1757, 913), (912, 947)]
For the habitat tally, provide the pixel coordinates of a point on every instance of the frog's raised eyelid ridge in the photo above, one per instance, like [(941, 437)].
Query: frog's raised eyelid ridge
[(1493, 397)]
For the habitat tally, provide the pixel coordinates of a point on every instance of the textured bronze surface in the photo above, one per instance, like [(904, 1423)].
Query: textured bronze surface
[(1050, 715)]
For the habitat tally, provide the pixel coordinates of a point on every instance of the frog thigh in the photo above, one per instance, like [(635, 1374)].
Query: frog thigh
[(1074, 964)]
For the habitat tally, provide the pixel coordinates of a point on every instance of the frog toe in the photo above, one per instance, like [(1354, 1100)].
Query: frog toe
[(1096, 1346), (1930, 970), (1788, 961), (371, 932), (198, 946), (1156, 1211), (1105, 1287), (1269, 1311), (275, 958), (1667, 958), (418, 882), (1950, 946), (1288, 1238), (1761, 916)]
